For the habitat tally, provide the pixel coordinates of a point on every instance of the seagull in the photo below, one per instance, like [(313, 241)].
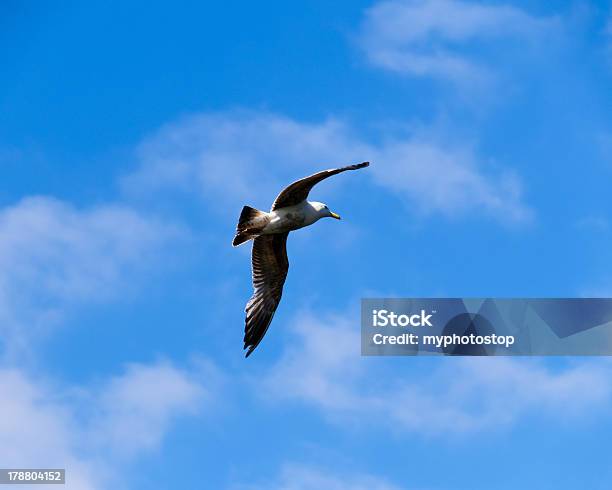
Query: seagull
[(290, 211)]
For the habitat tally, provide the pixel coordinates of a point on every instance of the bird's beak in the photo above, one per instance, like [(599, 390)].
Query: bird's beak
[(334, 215)]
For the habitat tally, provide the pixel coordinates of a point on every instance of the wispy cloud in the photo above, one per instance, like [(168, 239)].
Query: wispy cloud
[(88, 431), (133, 412), (432, 37), (230, 159), (239, 156), (596, 223), (451, 179), (303, 477), (608, 36), (323, 368), (53, 255)]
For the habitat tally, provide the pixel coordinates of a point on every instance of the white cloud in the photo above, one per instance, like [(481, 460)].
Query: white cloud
[(36, 431), (303, 477), (431, 37), (134, 411), (239, 156), (88, 432), (323, 368), (53, 255), (232, 159), (449, 179)]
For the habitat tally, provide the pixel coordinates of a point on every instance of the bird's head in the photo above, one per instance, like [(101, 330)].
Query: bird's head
[(323, 211)]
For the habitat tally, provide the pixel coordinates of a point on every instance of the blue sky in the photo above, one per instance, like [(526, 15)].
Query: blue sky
[(133, 133)]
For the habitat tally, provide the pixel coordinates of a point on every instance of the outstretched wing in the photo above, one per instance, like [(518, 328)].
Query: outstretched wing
[(270, 265), (298, 191)]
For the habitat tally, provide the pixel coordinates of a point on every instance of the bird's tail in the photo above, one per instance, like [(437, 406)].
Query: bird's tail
[(240, 238), (250, 223)]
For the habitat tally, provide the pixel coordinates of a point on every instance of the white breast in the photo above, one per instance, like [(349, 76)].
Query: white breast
[(291, 218)]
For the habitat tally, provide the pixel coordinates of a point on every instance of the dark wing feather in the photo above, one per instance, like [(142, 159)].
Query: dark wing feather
[(298, 191), (270, 265)]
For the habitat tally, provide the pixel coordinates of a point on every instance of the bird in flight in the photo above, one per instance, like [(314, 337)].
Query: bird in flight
[(290, 211)]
